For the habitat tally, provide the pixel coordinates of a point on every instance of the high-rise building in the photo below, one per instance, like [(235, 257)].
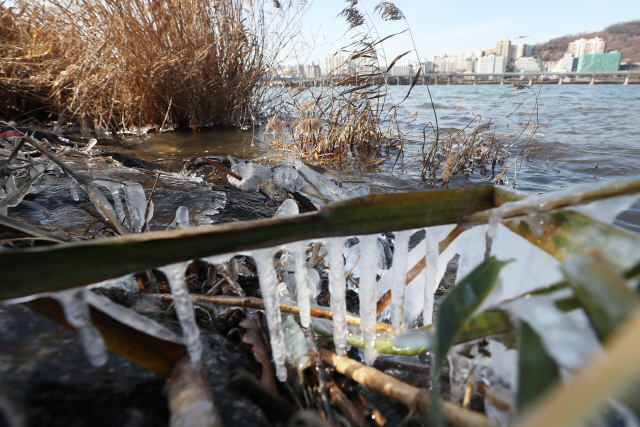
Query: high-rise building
[(599, 61), (312, 71), (503, 48), (528, 64), (335, 64), (523, 50), (491, 64), (567, 64), (584, 46)]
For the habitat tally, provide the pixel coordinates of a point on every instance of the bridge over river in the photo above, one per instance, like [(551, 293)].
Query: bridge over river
[(553, 77)]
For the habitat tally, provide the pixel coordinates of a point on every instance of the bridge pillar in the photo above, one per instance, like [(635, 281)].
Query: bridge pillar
[(593, 79), (626, 79), (449, 79), (437, 79), (398, 81)]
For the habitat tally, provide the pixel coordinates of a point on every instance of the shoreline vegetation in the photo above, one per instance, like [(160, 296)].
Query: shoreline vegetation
[(494, 296)]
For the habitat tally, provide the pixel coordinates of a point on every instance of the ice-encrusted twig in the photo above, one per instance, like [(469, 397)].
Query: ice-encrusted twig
[(257, 303), (398, 390), (577, 194)]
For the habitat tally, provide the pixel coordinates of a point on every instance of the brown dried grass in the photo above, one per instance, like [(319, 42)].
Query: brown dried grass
[(141, 63)]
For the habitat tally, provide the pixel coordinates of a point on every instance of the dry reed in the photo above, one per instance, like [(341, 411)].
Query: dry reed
[(113, 65)]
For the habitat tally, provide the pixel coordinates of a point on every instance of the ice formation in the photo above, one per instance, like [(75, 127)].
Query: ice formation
[(399, 275), (184, 309), (299, 254), (253, 174), (136, 205), (269, 289), (295, 177), (76, 312), (288, 208), (337, 289), (368, 297)]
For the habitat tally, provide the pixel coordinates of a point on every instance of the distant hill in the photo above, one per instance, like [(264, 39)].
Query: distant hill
[(623, 37)]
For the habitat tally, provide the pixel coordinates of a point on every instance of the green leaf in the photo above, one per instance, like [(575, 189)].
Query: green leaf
[(601, 291), (458, 306), (537, 372)]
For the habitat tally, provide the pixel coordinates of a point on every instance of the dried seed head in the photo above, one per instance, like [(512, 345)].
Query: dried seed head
[(353, 16), (307, 127), (307, 106), (388, 11), (275, 126)]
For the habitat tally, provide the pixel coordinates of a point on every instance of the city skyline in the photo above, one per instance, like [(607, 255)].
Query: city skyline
[(461, 27)]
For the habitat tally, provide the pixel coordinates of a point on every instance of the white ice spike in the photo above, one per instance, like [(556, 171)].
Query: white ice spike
[(299, 252), (337, 288), (368, 297), (400, 255), (269, 288), (431, 283), (76, 312), (184, 309)]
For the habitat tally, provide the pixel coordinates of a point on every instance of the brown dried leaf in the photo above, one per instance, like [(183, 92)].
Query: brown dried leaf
[(260, 353)]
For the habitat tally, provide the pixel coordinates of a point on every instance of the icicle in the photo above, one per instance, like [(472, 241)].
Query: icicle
[(368, 297), (184, 309), (431, 285), (337, 289), (399, 267), (269, 288), (299, 251), (76, 312)]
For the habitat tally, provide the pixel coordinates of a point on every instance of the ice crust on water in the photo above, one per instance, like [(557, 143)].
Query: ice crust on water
[(184, 309), (399, 275), (368, 297), (76, 312), (114, 188), (337, 289), (299, 252), (269, 289)]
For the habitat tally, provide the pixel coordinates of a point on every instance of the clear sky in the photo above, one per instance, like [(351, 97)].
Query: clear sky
[(455, 27)]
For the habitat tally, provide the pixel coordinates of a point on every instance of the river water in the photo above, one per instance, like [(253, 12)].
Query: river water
[(586, 133)]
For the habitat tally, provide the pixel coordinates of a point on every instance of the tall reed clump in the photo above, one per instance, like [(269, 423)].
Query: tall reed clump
[(115, 65), (342, 119)]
